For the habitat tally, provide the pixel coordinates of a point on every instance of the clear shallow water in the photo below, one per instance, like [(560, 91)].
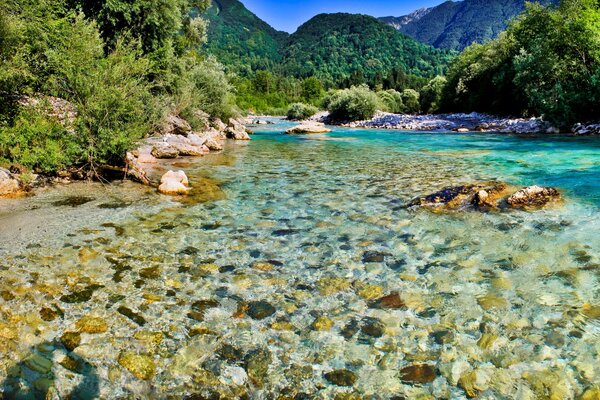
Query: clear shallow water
[(272, 275)]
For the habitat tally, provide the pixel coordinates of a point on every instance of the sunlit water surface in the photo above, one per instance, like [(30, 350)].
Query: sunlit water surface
[(270, 276)]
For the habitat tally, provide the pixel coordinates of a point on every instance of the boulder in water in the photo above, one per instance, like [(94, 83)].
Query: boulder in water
[(165, 150), (308, 128), (533, 197), (174, 183)]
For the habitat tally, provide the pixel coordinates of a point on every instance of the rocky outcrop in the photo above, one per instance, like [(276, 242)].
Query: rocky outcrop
[(10, 185), (308, 128), (176, 125), (174, 183), (586, 129), (235, 130), (486, 196), (533, 197)]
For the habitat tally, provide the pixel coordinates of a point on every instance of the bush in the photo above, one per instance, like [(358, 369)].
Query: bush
[(431, 94), (410, 98), (354, 104), (38, 142), (300, 111), (391, 101)]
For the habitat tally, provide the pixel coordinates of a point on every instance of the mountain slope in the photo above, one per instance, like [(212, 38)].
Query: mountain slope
[(335, 46), (241, 40), (456, 25)]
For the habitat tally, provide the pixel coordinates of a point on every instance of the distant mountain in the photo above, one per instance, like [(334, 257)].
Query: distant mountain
[(336, 46), (456, 25), (241, 40)]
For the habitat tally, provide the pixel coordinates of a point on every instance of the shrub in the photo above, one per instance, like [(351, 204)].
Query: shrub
[(354, 104), (410, 98), (431, 94), (38, 142), (300, 111), (391, 101)]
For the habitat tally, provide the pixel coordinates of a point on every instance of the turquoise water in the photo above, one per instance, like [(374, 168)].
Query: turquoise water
[(294, 271)]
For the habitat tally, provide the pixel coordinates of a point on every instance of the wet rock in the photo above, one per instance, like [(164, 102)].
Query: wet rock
[(350, 329), (71, 340), (322, 323), (257, 365), (213, 145), (132, 315), (372, 327), (418, 373), (374, 257), (533, 197), (230, 353), (73, 201), (49, 314), (392, 301), (6, 295), (260, 310), (332, 285), (235, 130), (81, 296), (164, 151), (140, 365), (490, 196), (10, 185), (308, 128), (38, 363), (199, 308), (442, 337), (136, 170), (150, 273), (341, 377), (92, 325), (174, 183), (449, 197)]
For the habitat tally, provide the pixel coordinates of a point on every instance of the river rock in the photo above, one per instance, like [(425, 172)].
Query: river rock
[(235, 130), (92, 325), (341, 377), (174, 183), (177, 125), (533, 197), (260, 310), (218, 124), (490, 196), (140, 365), (9, 184), (213, 145), (308, 128), (136, 170), (164, 151), (257, 365), (418, 373)]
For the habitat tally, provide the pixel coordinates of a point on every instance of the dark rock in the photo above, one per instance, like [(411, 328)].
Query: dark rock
[(350, 329), (81, 296), (71, 340), (150, 273), (341, 377), (418, 373), (374, 257), (49, 314), (230, 353), (446, 196), (135, 317), (389, 302), (199, 308), (260, 310), (533, 197), (73, 201), (442, 337), (257, 365), (372, 327)]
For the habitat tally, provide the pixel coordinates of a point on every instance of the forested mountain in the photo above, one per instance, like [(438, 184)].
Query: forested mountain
[(240, 39), (335, 47), (457, 24)]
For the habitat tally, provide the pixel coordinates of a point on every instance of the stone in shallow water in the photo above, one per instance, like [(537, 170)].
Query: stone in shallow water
[(132, 315), (230, 353), (140, 365), (38, 363), (374, 257), (418, 373), (260, 310), (92, 325), (80, 296), (392, 301), (257, 365), (341, 377), (322, 323), (199, 308), (49, 314), (533, 197), (350, 329), (332, 285), (71, 340), (372, 327)]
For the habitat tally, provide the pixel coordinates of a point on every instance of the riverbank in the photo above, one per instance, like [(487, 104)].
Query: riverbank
[(463, 123)]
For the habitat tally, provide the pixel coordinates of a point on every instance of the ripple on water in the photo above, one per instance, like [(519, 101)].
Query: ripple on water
[(294, 270)]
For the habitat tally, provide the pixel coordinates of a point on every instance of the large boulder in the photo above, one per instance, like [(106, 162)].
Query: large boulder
[(192, 145), (235, 130), (308, 128), (174, 183), (164, 150), (9, 184), (177, 125), (533, 197)]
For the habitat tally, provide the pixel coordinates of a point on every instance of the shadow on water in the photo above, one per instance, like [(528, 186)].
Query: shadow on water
[(34, 376)]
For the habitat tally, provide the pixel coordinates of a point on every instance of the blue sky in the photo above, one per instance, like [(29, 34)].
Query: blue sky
[(287, 15)]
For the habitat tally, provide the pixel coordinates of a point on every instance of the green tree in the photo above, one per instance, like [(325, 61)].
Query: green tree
[(391, 101), (354, 104), (431, 94), (312, 89), (410, 99)]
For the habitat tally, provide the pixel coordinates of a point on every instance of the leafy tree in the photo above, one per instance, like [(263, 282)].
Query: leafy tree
[(431, 94), (391, 100), (300, 111), (410, 99), (354, 104), (312, 89)]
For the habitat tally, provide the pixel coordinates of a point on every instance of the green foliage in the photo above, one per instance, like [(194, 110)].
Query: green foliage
[(431, 94), (356, 48), (38, 142), (242, 41), (547, 64), (312, 90), (354, 104), (391, 101), (300, 111), (410, 98)]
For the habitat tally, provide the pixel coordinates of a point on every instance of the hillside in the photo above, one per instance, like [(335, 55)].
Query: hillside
[(456, 25), (241, 40), (335, 46)]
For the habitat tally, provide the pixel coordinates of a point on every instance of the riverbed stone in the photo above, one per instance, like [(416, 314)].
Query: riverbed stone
[(341, 377), (373, 327), (174, 183), (10, 185), (164, 151), (71, 340), (260, 310), (322, 323), (418, 373), (141, 366), (308, 128), (92, 325), (257, 365), (533, 197), (392, 301)]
